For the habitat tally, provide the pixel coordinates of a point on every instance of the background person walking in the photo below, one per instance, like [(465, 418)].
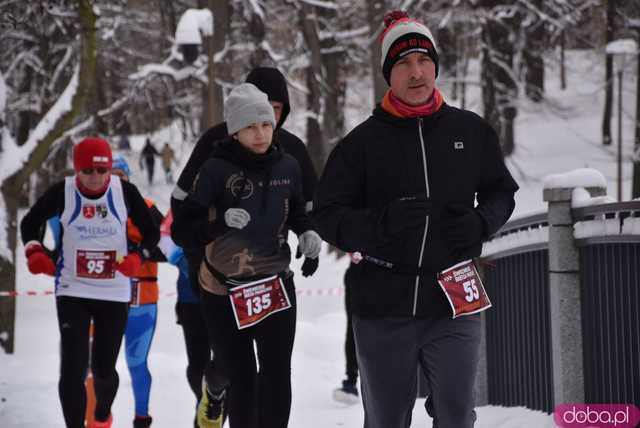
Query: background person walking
[(148, 159)]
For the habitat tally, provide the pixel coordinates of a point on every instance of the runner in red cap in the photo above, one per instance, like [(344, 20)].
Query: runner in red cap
[(91, 264)]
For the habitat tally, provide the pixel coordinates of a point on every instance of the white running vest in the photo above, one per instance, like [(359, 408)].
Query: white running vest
[(94, 237)]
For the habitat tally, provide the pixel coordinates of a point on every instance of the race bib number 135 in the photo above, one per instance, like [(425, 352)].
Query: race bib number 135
[(463, 289), (254, 301)]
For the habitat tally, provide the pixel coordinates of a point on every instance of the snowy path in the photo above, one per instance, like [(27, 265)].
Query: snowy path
[(28, 379)]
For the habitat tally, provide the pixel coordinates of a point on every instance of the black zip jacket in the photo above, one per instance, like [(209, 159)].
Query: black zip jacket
[(267, 186), (380, 161)]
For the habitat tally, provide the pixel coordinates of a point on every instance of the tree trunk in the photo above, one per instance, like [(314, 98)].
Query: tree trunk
[(315, 77), (213, 98), (608, 77), (12, 187), (26, 116), (257, 30), (449, 56), (499, 91), (488, 91), (334, 88), (375, 12), (563, 66), (635, 188), (533, 59)]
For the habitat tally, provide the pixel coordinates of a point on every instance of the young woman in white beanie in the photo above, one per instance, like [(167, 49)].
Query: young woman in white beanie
[(244, 201)]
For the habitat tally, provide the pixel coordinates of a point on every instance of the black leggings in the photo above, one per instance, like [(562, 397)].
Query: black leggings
[(196, 342), (349, 344), (150, 163), (74, 319), (254, 401)]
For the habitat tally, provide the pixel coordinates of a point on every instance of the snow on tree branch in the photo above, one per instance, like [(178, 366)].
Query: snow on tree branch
[(322, 4), (192, 25), (14, 157), (255, 5)]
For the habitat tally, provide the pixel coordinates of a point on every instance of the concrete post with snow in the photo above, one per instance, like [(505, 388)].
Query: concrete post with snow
[(564, 281)]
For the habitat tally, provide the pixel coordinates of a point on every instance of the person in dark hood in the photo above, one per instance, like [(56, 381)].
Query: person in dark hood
[(247, 196)]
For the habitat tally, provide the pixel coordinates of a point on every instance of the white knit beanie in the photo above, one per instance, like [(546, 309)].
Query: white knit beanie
[(403, 36), (246, 105)]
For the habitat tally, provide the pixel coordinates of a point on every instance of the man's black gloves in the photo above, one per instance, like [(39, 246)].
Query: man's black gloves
[(309, 266), (405, 213), (462, 227)]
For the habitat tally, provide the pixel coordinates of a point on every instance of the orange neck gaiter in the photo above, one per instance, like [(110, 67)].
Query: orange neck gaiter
[(395, 106)]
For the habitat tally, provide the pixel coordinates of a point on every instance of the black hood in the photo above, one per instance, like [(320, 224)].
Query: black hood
[(270, 81)]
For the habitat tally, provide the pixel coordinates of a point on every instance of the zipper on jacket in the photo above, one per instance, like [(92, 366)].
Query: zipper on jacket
[(426, 226)]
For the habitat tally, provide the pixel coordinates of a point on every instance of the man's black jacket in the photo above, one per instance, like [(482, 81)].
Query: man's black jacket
[(380, 161)]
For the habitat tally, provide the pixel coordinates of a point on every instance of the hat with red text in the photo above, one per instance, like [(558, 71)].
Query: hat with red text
[(92, 152), (402, 36)]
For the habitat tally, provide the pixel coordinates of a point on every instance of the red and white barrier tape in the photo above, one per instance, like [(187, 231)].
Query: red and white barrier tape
[(300, 292), (25, 293), (319, 292)]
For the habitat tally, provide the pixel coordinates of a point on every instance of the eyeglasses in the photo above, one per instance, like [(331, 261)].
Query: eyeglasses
[(99, 170)]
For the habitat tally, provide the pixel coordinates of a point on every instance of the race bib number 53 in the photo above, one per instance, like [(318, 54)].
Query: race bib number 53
[(463, 289), (95, 264), (254, 301)]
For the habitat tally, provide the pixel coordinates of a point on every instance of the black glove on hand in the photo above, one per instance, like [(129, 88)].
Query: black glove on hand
[(309, 266), (406, 213), (462, 227), (215, 228)]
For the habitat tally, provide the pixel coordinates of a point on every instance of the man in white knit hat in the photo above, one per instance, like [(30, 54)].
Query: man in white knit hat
[(400, 189)]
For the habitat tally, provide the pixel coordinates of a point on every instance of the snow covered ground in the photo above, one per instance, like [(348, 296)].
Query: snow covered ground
[(28, 379), (558, 136)]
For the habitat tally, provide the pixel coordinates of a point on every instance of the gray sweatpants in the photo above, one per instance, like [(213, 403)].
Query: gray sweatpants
[(390, 350)]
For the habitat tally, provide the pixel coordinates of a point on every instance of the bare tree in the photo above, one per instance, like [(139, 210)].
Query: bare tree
[(50, 129), (608, 77), (315, 77), (532, 52), (499, 90), (375, 12), (333, 57)]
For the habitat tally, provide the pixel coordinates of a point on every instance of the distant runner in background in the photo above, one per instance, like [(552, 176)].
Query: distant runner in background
[(168, 156), (148, 159)]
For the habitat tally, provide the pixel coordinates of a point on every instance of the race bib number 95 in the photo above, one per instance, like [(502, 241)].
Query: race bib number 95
[(463, 289), (254, 301), (95, 264)]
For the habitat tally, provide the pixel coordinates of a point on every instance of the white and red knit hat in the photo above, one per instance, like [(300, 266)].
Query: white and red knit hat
[(92, 152), (403, 36)]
